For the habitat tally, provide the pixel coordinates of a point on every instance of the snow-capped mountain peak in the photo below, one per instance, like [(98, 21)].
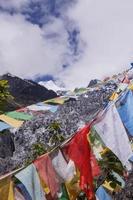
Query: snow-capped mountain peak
[(51, 85)]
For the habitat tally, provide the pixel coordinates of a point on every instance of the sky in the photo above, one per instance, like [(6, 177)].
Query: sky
[(72, 41)]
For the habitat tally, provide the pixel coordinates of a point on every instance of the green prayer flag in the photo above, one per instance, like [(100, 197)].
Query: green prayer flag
[(19, 115), (64, 195)]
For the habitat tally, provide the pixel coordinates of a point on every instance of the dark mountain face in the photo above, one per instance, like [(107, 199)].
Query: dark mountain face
[(26, 92), (6, 144), (93, 82)]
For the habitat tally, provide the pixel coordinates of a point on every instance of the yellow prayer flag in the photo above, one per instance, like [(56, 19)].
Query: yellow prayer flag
[(57, 100), (114, 96), (12, 122), (73, 190), (73, 187), (130, 87), (106, 184), (11, 192), (6, 189), (44, 186)]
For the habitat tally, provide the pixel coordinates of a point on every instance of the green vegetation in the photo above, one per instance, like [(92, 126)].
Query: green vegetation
[(80, 90), (38, 149), (56, 138), (4, 94)]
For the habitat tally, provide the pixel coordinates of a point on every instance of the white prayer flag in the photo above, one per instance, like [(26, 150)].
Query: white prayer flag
[(112, 132), (65, 170)]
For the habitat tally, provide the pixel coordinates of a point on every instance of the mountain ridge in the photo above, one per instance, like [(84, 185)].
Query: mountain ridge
[(25, 92)]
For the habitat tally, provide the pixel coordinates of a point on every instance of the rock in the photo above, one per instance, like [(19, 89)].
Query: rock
[(25, 92), (6, 144), (71, 116), (94, 82)]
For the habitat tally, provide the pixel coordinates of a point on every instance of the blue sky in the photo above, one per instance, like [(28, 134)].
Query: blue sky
[(70, 40)]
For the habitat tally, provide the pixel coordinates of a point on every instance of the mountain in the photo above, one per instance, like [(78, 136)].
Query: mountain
[(51, 85), (26, 92), (94, 82), (70, 116)]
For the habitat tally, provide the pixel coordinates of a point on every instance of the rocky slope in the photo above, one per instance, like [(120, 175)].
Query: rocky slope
[(25, 92), (70, 116)]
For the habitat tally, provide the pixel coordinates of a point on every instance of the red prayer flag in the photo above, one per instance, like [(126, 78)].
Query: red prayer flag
[(126, 80), (47, 173), (79, 150)]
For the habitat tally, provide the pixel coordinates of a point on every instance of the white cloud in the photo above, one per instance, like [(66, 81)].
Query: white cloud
[(25, 50), (107, 28), (16, 4)]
